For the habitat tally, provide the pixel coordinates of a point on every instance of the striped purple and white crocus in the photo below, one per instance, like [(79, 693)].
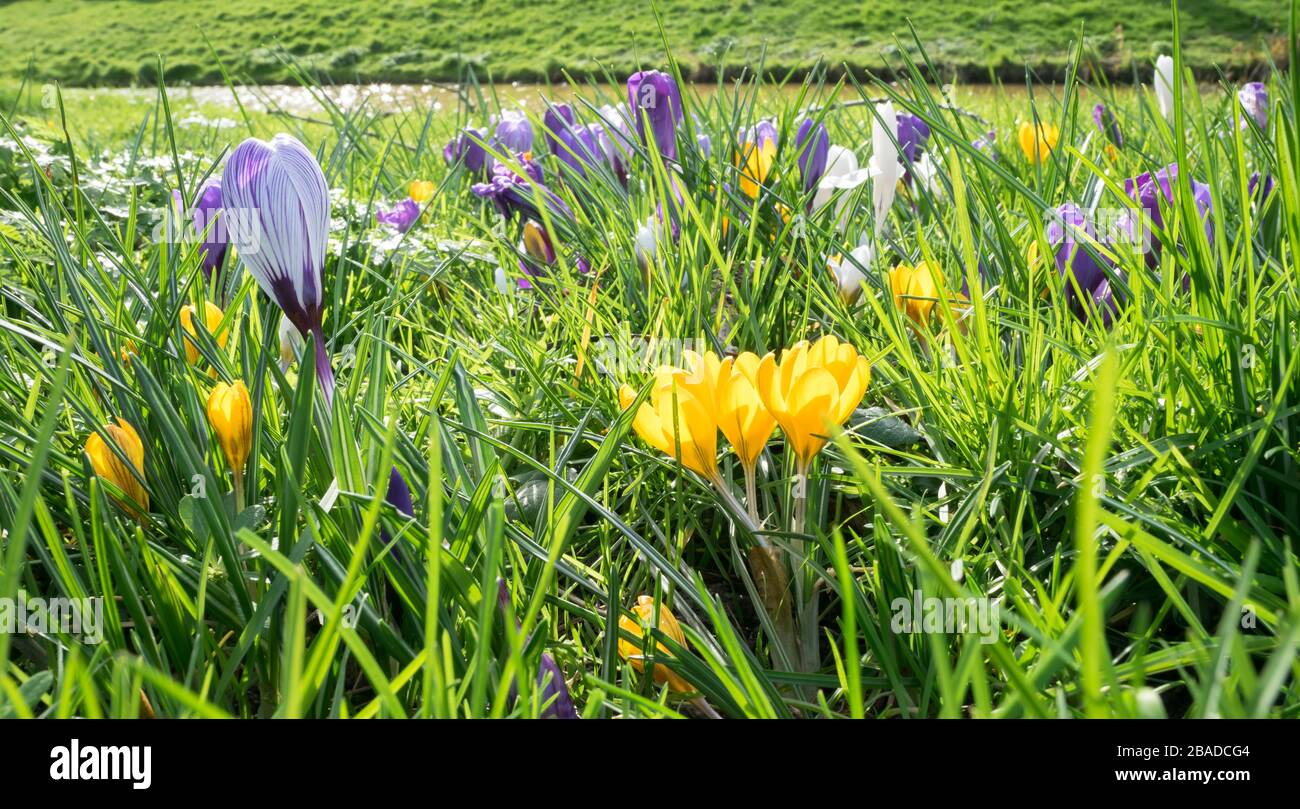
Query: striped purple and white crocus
[(277, 206)]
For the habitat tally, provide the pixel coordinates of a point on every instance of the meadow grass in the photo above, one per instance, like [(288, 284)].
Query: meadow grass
[(1127, 494), (115, 42)]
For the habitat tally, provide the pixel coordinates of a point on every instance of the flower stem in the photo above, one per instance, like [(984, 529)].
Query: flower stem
[(239, 490)]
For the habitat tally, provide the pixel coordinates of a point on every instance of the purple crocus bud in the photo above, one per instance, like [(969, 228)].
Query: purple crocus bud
[(705, 144), (204, 215), (403, 215), (913, 135), (577, 145), (656, 107), (514, 132), (399, 494), (1254, 101), (550, 679), (1108, 124), (277, 207), (813, 144), (513, 194), (1068, 233), (467, 148), (1147, 189), (1254, 185), (1104, 303)]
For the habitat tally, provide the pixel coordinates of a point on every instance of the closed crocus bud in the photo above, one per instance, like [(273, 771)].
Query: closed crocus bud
[(1149, 187), (1037, 142), (913, 134), (421, 191), (742, 416), (204, 215), (110, 467), (230, 411), (705, 144), (811, 391), (403, 215), (212, 316), (916, 290), (1067, 232), (648, 616), (514, 132), (678, 419), (885, 166), (813, 144), (1107, 123), (1254, 102), (575, 144), (1163, 82), (849, 271), (284, 204), (467, 148), (656, 107), (291, 342), (1255, 186)]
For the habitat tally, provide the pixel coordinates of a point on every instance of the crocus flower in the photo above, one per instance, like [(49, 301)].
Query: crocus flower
[(280, 188), (212, 316), (230, 411), (885, 168), (1080, 271), (813, 144), (916, 290), (513, 133), (842, 175), (1254, 102), (615, 139), (1108, 124), (467, 148), (536, 247), (403, 215), (107, 465), (648, 616), (576, 145), (742, 416), (678, 419), (913, 134), (656, 107), (1037, 142), (291, 342), (848, 271), (1148, 188), (1254, 185), (514, 194), (754, 157), (988, 144), (204, 214), (811, 391), (555, 699), (705, 144), (421, 191), (764, 133), (1163, 81)]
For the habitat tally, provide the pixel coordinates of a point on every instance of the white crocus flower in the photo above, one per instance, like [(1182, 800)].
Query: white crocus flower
[(849, 274), (885, 166), (647, 241), (842, 175), (925, 173), (1163, 81)]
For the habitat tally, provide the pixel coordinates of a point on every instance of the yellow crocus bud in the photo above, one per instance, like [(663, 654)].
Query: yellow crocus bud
[(211, 319), (231, 412), (109, 466), (678, 419), (633, 652), (742, 416), (916, 290), (421, 191), (1038, 142), (812, 390), (755, 163)]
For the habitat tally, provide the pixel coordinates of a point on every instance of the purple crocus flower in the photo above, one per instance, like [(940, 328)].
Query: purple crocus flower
[(550, 679), (656, 107), (913, 134), (398, 496), (1254, 185), (1149, 187), (577, 145), (403, 215), (813, 144), (207, 207), (988, 144), (1254, 101), (467, 148), (277, 205), (513, 194), (705, 144), (1108, 124), (514, 132), (1067, 233)]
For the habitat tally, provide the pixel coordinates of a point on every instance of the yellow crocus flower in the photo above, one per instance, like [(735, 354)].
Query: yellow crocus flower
[(212, 315), (644, 621), (916, 290), (678, 419), (230, 409), (742, 416), (1037, 143), (109, 466), (813, 389), (755, 163), (421, 191)]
